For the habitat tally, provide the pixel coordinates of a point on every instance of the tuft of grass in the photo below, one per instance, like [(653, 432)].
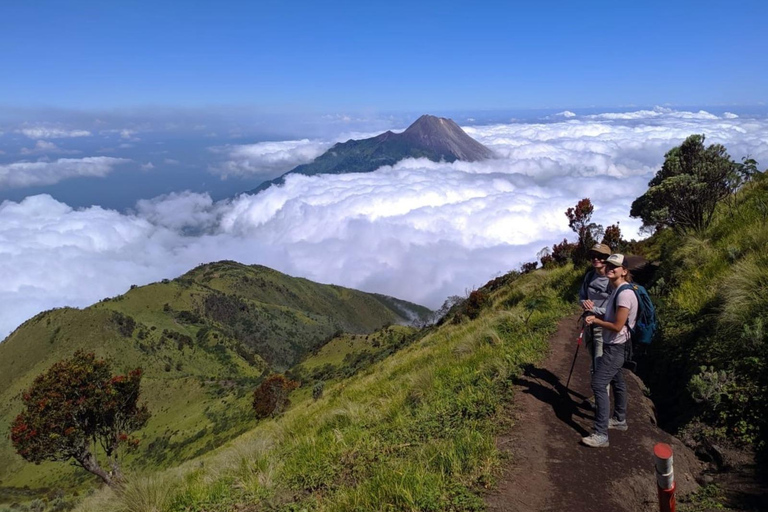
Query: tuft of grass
[(146, 493)]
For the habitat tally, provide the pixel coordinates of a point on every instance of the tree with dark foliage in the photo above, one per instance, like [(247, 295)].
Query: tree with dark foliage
[(76, 405), (693, 179), (612, 237), (580, 221)]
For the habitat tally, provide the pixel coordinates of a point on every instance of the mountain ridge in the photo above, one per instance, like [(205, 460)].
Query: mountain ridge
[(204, 340)]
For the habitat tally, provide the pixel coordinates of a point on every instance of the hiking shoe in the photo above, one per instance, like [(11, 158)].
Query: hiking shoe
[(617, 425), (596, 441)]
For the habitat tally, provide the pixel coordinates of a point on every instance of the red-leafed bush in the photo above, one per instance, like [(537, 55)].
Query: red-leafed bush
[(76, 405), (563, 252), (271, 397)]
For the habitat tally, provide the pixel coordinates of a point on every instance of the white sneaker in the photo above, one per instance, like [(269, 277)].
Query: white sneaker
[(618, 425), (596, 441)]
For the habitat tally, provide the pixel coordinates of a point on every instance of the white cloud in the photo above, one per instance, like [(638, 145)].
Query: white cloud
[(566, 113), (46, 147), (657, 112), (26, 174), (44, 132), (419, 230), (147, 166), (267, 159)]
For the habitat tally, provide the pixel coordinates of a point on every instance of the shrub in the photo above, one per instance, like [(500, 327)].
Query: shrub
[(563, 252), (271, 397), (317, 390), (476, 301)]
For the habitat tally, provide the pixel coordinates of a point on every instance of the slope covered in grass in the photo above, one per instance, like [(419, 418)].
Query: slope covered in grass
[(414, 431), (204, 341), (708, 370)]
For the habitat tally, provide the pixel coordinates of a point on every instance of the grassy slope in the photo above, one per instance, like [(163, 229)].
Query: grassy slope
[(712, 289), (198, 390), (415, 431)]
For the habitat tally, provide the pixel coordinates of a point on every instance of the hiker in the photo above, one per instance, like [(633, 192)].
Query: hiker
[(620, 315), (594, 291)]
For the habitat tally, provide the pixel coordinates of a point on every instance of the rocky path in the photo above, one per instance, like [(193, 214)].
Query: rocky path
[(549, 469)]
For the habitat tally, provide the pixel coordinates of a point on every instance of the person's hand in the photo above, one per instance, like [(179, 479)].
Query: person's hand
[(589, 319), (587, 305)]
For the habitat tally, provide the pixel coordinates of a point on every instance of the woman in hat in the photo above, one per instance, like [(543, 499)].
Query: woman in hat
[(620, 315)]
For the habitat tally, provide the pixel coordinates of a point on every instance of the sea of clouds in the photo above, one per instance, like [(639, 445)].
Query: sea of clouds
[(419, 230)]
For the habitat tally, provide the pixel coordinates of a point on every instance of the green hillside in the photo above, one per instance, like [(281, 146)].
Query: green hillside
[(204, 341), (414, 429), (708, 370)]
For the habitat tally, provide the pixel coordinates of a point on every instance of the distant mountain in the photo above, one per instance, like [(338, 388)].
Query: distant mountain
[(204, 340), (435, 138)]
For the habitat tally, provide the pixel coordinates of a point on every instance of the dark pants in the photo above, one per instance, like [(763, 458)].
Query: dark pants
[(593, 336), (609, 371)]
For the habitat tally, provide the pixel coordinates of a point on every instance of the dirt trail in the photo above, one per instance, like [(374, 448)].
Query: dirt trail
[(550, 470)]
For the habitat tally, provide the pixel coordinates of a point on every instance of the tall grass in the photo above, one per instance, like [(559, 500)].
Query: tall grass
[(414, 432), (710, 367)]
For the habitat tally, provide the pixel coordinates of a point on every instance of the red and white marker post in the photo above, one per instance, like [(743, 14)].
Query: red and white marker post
[(665, 477)]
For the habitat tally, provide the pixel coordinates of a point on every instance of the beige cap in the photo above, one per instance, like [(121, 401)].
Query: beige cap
[(602, 249), (617, 260)]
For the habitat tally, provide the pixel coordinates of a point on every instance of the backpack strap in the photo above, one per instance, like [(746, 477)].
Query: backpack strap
[(625, 286), (585, 282)]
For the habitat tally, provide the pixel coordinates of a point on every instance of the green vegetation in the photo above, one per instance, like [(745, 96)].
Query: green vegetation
[(709, 372), (204, 342), (692, 182), (414, 430), (403, 418), (75, 407)]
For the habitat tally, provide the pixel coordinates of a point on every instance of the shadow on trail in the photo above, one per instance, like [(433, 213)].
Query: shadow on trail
[(547, 388)]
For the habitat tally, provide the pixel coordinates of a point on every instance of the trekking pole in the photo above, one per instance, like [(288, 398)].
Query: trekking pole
[(573, 364)]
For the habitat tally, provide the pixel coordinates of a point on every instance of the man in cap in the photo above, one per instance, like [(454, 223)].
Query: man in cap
[(593, 294)]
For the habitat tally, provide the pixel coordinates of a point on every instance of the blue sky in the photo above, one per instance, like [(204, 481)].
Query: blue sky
[(130, 130), (362, 56)]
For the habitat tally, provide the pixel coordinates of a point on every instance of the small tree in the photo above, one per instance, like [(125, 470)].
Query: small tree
[(612, 237), (685, 191), (580, 221), (76, 405), (271, 397)]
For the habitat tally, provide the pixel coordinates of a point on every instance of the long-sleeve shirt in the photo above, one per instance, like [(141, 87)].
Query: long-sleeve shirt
[(596, 288)]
